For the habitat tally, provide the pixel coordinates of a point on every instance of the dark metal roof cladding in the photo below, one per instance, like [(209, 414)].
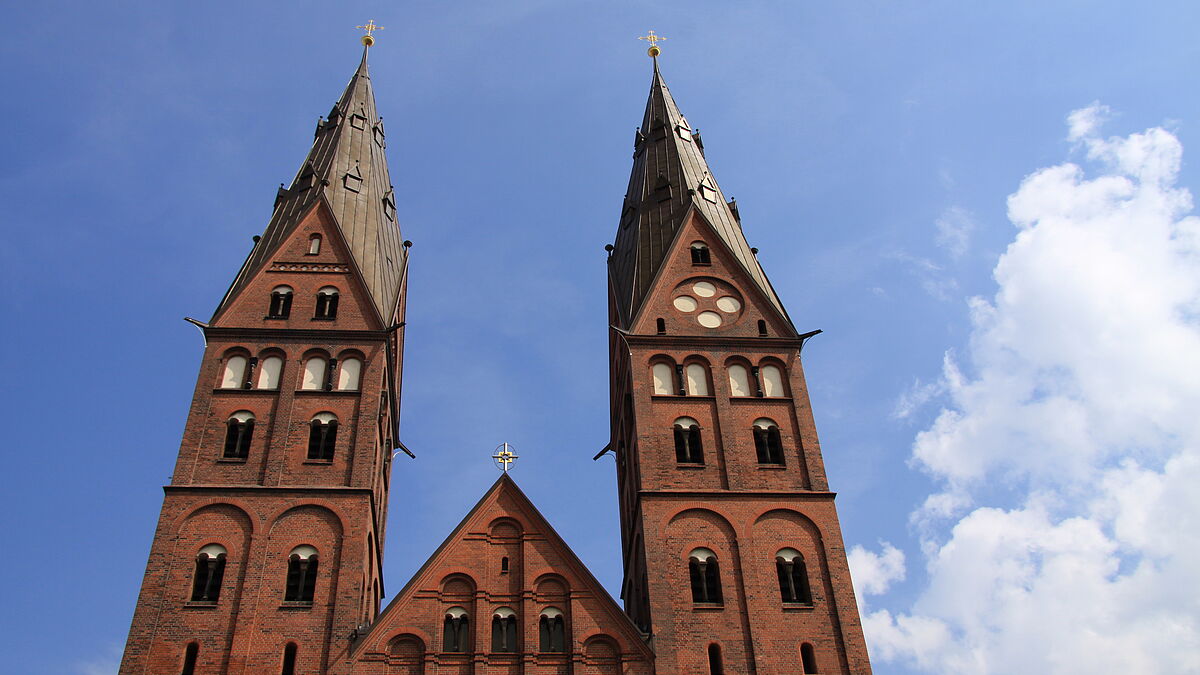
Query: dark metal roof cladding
[(670, 176), (347, 168)]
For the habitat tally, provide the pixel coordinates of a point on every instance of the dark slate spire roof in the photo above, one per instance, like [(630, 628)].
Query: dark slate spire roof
[(347, 169), (669, 178)]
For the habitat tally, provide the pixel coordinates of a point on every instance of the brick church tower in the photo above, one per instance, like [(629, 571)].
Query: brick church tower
[(733, 556), (268, 550)]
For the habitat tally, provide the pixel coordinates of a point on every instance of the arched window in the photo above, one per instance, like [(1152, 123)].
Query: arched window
[(705, 576), (281, 303), (660, 326), (238, 432), (455, 634), (190, 653), (268, 373), (808, 658), (315, 370), (697, 380), (739, 381), (504, 565), (664, 378), (552, 631), (322, 436), (700, 253), (772, 381), (793, 576), (327, 303), (762, 328), (235, 372), (715, 667), (301, 574), (767, 443), (504, 630), (688, 447), (314, 244), (349, 374), (289, 659)]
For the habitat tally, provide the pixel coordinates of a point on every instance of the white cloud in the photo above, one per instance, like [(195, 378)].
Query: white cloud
[(954, 228), (873, 573), (1065, 536)]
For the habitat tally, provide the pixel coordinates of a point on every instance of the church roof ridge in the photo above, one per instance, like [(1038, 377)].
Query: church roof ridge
[(347, 165)]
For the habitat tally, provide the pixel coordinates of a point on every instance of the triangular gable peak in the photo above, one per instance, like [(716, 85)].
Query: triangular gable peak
[(701, 288), (312, 257), (504, 559)]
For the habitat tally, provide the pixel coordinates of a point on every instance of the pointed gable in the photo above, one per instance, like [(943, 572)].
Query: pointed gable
[(504, 559), (346, 170), (669, 178)]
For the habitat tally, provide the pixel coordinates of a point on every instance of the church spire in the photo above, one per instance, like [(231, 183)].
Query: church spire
[(346, 171), (670, 179)]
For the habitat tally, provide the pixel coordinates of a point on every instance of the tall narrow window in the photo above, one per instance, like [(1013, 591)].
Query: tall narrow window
[(289, 659), (314, 373), (552, 631), (209, 573), (504, 630), (660, 326), (697, 380), (504, 565), (189, 658), (688, 447), (301, 574), (235, 372), (772, 381), (349, 374), (767, 443), (322, 436), (809, 659), (700, 254), (238, 432), (715, 667), (281, 303), (455, 633), (705, 576), (793, 576), (762, 328), (268, 373), (664, 379), (314, 244), (327, 303), (739, 380)]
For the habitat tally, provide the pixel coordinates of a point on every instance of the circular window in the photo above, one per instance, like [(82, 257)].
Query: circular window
[(728, 304), (685, 303), (709, 319), (704, 289)]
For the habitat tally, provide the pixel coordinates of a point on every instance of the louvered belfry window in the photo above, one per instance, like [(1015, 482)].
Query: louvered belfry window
[(705, 577), (301, 575), (210, 571), (322, 437)]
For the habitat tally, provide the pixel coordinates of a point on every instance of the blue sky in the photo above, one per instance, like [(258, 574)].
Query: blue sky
[(984, 205)]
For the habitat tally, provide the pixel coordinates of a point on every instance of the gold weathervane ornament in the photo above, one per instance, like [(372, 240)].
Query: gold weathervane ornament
[(653, 39), (368, 39), (504, 456)]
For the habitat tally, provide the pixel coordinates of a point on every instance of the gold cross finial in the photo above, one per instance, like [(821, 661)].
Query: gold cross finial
[(368, 39), (504, 456), (653, 39)]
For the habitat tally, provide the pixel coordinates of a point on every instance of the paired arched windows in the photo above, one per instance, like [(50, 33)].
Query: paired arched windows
[(319, 374), (701, 254), (322, 436), (765, 381), (234, 376), (210, 570), (327, 303), (456, 636), (689, 449), (768, 444), (670, 379), (552, 631), (793, 576), (301, 574), (504, 630), (239, 372), (281, 303), (705, 576), (238, 432)]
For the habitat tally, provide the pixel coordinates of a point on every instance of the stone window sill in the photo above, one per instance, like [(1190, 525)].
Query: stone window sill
[(690, 465), (231, 460), (200, 604), (771, 467), (296, 604), (322, 462), (707, 606), (797, 606)]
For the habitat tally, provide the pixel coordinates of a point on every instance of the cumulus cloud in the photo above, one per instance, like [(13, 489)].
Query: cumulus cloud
[(872, 572), (1065, 534)]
